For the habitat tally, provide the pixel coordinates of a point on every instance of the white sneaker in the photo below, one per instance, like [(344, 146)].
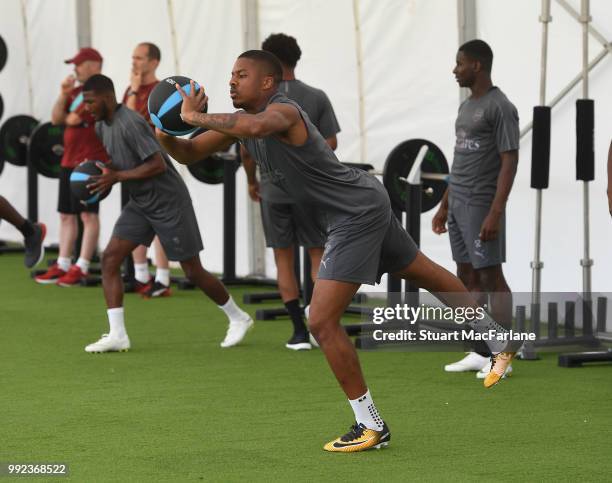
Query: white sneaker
[(313, 341), (471, 362), (108, 344), (482, 373), (236, 331)]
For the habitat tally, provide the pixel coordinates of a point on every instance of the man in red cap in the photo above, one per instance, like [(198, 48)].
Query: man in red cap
[(80, 143)]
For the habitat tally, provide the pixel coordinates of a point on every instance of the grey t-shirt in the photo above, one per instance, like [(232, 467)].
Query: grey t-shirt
[(320, 111), (485, 127), (129, 141), (314, 177)]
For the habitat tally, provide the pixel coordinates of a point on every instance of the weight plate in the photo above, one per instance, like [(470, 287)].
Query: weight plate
[(210, 170), (3, 53), (398, 165), (46, 148), (14, 136)]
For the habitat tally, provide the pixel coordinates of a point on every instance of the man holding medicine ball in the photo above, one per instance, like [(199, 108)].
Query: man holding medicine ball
[(364, 238), (159, 205)]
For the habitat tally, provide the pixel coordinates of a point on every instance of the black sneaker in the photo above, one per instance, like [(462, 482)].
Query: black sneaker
[(299, 342), (157, 289), (34, 249)]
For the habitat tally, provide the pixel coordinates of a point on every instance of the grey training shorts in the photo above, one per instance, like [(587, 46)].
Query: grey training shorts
[(360, 252), (464, 224), (176, 228)]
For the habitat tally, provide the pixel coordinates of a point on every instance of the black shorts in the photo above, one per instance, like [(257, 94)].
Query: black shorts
[(67, 202)]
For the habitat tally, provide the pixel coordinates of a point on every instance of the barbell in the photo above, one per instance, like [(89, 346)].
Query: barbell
[(415, 161), (14, 137), (23, 140)]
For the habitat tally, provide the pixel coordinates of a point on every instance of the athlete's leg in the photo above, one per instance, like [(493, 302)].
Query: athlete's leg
[(205, 281), (330, 298), (239, 321)]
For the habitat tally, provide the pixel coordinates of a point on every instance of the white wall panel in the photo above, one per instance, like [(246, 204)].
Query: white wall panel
[(408, 51), (51, 32)]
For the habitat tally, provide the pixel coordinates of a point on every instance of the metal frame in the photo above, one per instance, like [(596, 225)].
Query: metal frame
[(360, 83), (257, 247), (584, 18), (607, 49), (536, 264), (83, 23), (466, 20)]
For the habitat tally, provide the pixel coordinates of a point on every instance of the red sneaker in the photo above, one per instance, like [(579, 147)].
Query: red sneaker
[(51, 275), (73, 277), (142, 288), (157, 289)]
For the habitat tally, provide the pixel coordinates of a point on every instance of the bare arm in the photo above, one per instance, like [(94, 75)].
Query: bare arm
[(248, 162), (250, 169), (509, 162), (135, 83), (58, 114), (188, 151), (438, 222), (152, 166), (332, 142), (275, 119), (131, 102), (490, 225)]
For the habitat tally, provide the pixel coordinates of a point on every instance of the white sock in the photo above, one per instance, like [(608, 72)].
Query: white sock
[(366, 412), (64, 263), (116, 322), (232, 311), (141, 272), (83, 265), (162, 275)]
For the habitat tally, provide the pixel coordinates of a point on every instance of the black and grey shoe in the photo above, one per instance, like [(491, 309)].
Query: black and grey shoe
[(34, 249)]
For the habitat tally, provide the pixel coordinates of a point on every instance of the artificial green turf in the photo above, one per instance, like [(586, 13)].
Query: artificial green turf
[(177, 407)]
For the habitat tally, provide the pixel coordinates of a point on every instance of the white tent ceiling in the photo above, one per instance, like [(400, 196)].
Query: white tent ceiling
[(408, 49)]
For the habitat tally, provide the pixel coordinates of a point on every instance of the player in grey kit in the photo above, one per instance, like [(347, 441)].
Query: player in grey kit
[(286, 222), (159, 205), (483, 170), (364, 239)]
